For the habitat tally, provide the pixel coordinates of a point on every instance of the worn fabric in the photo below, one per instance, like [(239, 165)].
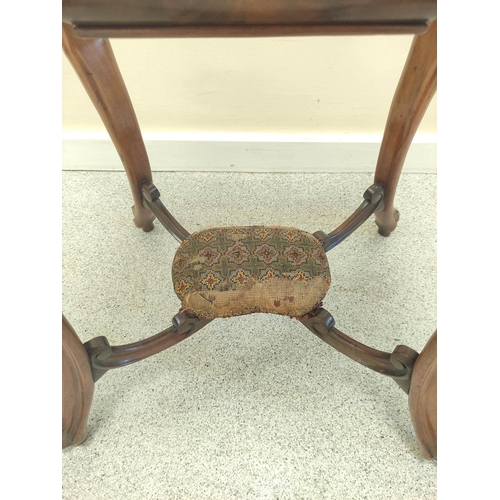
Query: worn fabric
[(231, 271)]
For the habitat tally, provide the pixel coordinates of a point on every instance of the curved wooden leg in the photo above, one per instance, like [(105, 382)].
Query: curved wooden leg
[(415, 90), (423, 398), (77, 387), (95, 64)]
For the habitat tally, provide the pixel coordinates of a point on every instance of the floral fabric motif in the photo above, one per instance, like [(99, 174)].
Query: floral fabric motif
[(248, 263), (295, 254), (237, 253), (266, 253), (210, 280), (210, 255)]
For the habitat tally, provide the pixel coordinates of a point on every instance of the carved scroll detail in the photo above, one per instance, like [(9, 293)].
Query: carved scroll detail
[(373, 202), (152, 201), (105, 357), (398, 364)]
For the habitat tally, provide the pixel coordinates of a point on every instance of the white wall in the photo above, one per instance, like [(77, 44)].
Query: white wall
[(308, 85)]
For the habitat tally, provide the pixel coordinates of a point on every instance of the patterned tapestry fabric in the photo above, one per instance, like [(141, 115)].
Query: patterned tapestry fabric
[(231, 271)]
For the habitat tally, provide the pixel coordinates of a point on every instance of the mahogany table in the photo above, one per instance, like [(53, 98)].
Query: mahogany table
[(87, 25)]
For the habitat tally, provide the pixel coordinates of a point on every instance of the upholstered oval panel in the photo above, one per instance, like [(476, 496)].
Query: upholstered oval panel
[(230, 271)]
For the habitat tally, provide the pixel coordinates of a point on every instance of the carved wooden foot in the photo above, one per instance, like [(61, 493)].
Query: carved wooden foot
[(95, 64), (423, 398), (143, 218), (415, 90), (387, 220), (77, 387)]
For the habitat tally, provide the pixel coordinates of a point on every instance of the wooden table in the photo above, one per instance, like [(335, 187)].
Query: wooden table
[(87, 25)]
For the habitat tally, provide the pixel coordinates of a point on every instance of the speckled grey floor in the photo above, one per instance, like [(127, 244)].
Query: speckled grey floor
[(254, 407)]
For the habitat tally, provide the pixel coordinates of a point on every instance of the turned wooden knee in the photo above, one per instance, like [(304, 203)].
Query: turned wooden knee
[(77, 387), (423, 398)]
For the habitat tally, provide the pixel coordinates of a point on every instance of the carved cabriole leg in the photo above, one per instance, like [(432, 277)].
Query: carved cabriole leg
[(77, 387), (423, 398), (415, 90), (95, 65)]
